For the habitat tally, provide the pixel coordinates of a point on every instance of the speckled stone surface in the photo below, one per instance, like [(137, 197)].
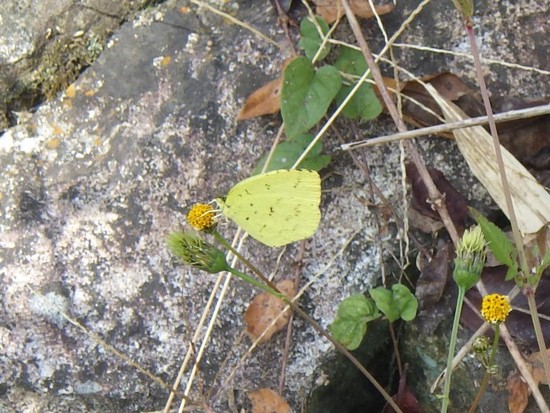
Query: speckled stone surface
[(96, 178)]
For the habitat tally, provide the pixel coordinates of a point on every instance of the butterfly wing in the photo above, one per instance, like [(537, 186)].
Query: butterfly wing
[(277, 207)]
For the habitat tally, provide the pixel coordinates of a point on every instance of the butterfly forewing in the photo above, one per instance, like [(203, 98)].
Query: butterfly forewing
[(278, 207)]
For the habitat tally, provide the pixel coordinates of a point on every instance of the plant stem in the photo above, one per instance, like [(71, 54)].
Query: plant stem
[(251, 280), (487, 374), (311, 322), (452, 347), (507, 196)]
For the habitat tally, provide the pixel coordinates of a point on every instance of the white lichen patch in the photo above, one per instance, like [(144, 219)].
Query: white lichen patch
[(50, 306)]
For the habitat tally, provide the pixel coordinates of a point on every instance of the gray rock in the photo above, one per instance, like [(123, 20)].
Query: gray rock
[(98, 176)]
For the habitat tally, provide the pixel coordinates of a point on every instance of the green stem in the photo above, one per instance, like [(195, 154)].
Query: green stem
[(487, 374), (254, 282), (452, 347)]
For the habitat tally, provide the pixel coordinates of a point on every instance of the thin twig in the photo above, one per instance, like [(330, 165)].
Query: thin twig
[(466, 123)]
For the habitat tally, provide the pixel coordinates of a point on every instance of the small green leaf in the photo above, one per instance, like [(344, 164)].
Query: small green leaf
[(405, 301), (348, 332), (351, 61), (499, 244), (356, 306), (310, 38), (287, 153), (306, 95), (384, 302), (364, 104), (350, 324), (396, 303)]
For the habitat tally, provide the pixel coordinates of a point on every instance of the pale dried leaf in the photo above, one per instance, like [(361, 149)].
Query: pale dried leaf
[(331, 10), (531, 201), (263, 101), (267, 401), (264, 309), (536, 362)]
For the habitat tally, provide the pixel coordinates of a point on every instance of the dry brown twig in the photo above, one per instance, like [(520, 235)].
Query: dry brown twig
[(450, 126)]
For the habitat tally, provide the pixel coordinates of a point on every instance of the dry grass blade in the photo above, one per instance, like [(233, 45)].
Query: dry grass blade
[(531, 201)]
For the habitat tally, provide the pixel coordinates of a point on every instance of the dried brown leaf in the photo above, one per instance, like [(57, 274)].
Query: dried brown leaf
[(331, 10), (267, 401), (450, 86), (518, 394), (265, 308), (263, 101), (536, 362), (433, 277), (455, 202)]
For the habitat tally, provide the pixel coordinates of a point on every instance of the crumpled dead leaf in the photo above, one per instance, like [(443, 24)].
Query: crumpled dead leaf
[(456, 204), (418, 100), (264, 308), (518, 390), (331, 10), (531, 201), (433, 277), (263, 101), (267, 401), (518, 394)]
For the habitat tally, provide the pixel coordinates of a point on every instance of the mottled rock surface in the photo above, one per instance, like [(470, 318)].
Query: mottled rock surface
[(96, 178)]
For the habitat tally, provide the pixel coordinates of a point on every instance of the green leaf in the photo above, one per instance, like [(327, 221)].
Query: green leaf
[(306, 95), (310, 38), (348, 332), (350, 325), (364, 104), (351, 61), (396, 303), (499, 244), (405, 301), (384, 300), (287, 153)]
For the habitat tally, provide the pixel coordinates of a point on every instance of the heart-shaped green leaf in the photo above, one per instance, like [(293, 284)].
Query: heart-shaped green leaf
[(310, 38), (350, 325), (287, 153), (364, 104), (396, 303), (306, 95)]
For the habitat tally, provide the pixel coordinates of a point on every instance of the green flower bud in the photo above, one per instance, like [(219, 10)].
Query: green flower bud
[(193, 251), (481, 345), (470, 258)]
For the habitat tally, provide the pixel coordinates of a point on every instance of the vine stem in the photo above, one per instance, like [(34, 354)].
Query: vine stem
[(311, 322), (452, 347)]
